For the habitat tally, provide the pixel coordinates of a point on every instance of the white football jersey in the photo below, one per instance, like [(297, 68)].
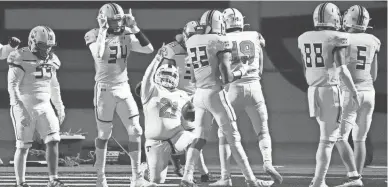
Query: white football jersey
[(246, 49), (112, 67), (317, 52), (203, 50), (35, 85), (359, 58), (162, 113)]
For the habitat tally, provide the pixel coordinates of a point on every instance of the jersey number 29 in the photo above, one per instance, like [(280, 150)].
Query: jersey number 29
[(247, 48), (318, 60), (117, 52)]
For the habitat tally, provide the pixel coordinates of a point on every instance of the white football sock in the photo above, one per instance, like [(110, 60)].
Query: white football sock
[(100, 160), (20, 159), (225, 155), (191, 159), (265, 147), (323, 158)]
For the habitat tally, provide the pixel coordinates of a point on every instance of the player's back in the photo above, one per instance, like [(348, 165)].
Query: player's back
[(317, 53), (112, 67), (203, 50), (360, 55), (162, 113), (36, 81), (246, 48)]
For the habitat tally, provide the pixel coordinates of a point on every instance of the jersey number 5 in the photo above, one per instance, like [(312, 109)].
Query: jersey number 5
[(318, 61), (199, 57), (167, 104), (116, 54), (247, 48), (361, 57)]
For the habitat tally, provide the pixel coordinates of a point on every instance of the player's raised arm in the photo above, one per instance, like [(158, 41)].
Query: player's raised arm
[(15, 76), (95, 40), (12, 45), (56, 93), (139, 41), (148, 81)]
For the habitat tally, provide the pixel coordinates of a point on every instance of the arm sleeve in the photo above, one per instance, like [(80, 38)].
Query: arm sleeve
[(55, 89), (341, 40), (139, 42)]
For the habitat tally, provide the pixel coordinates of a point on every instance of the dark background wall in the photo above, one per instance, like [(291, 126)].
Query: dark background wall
[(283, 82)]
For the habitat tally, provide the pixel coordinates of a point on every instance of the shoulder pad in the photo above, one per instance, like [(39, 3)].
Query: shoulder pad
[(378, 43), (15, 57), (340, 39), (220, 43), (91, 36), (56, 62)]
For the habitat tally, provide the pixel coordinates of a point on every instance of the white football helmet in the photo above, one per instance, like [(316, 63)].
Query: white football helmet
[(190, 29), (327, 15), (41, 40), (233, 19), (114, 14), (212, 21), (356, 17), (167, 75)]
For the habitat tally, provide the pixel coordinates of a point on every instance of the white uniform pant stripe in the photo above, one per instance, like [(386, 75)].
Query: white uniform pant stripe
[(227, 105)]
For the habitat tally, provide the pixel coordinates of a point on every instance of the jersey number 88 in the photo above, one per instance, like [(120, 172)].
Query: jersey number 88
[(318, 60)]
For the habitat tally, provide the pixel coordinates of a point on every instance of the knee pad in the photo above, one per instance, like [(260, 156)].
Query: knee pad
[(53, 137), (328, 143), (198, 143), (231, 133), (104, 130), (23, 145)]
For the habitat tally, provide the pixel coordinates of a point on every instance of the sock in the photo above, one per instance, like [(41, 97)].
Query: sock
[(99, 165), (265, 147), (20, 159), (52, 177), (242, 161), (191, 160), (346, 154), (359, 155), (353, 174), (201, 165), (135, 163), (225, 155), (323, 158)]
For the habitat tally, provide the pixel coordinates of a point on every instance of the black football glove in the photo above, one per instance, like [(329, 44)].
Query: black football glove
[(14, 42)]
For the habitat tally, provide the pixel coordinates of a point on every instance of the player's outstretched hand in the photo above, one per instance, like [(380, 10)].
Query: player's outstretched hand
[(14, 42), (102, 21), (130, 19)]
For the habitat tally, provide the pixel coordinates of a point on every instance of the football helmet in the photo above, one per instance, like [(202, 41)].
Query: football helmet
[(356, 17), (212, 21), (115, 16), (40, 41), (233, 19), (189, 30), (327, 15), (167, 76)]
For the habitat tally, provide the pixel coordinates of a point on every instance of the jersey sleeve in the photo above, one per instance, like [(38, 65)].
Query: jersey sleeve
[(15, 76), (56, 62), (261, 40), (377, 44), (340, 40), (91, 36), (14, 59), (167, 52), (220, 44)]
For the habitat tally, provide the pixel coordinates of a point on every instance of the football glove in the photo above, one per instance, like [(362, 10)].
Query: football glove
[(130, 19), (188, 111), (14, 42), (103, 21)]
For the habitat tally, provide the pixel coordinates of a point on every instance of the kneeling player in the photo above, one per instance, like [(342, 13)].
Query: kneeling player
[(162, 106), (32, 83)]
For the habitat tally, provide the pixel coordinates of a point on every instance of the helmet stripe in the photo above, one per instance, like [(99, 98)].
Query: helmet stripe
[(234, 13), (360, 15), (322, 13), (115, 11), (209, 17)]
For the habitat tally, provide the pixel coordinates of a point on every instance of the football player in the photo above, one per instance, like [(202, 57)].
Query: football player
[(210, 58), (323, 53), (175, 53), (362, 64), (32, 83), (110, 46), (12, 45), (245, 94), (162, 105)]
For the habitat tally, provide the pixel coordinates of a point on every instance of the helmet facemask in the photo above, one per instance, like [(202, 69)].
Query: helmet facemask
[(116, 25), (41, 50), (167, 76)]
